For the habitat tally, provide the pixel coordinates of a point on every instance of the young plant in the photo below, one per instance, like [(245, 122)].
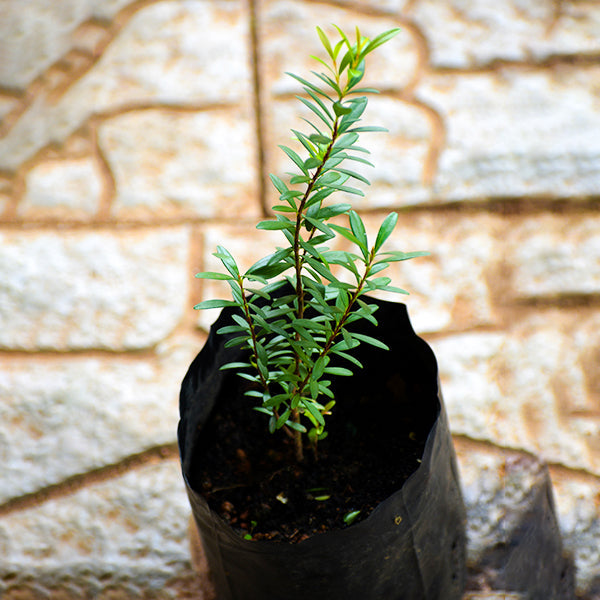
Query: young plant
[(291, 338)]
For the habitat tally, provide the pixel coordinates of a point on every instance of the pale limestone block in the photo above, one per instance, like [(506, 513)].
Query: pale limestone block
[(171, 163), (64, 416), (555, 255), (463, 34), (399, 155), (528, 388), (124, 535), (188, 53), (578, 508), (70, 188), (288, 38), (72, 290), (516, 133), (31, 40), (448, 290)]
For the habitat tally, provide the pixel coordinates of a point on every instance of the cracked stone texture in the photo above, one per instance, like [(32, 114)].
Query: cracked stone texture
[(64, 416), (172, 163), (156, 58), (464, 34), (116, 290)]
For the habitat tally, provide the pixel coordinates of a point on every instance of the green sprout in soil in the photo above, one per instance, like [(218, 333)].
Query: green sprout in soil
[(291, 338)]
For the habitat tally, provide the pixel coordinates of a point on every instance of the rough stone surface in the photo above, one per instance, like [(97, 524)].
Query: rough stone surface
[(578, 508), (69, 188), (182, 163), (516, 132), (462, 34), (529, 388), (62, 417), (126, 535), (91, 290), (156, 58), (555, 257)]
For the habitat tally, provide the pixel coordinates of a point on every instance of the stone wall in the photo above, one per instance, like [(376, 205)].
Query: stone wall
[(136, 135)]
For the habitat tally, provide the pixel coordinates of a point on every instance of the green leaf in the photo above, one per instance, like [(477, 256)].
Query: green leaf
[(295, 158), (310, 85), (382, 38), (318, 138), (355, 175), (366, 128), (314, 411), (346, 140), (385, 230), (339, 109), (316, 110), (358, 229), (235, 365), (326, 44), (213, 275), (312, 163), (274, 225), (228, 261), (396, 255), (340, 371), (345, 232), (351, 516), (278, 183), (370, 340), (214, 304)]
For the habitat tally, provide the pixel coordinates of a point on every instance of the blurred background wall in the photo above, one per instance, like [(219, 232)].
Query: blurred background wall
[(136, 135)]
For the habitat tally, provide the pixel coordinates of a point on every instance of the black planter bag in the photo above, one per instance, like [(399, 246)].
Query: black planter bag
[(411, 547)]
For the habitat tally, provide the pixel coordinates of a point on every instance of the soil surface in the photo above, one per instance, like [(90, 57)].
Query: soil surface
[(252, 479)]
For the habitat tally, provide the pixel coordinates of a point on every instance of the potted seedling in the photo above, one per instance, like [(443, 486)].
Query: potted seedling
[(314, 441)]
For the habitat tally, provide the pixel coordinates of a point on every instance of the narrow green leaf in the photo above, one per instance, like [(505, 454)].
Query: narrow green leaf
[(275, 225), (314, 411), (386, 229), (295, 158), (359, 231), (310, 85), (340, 371), (228, 261), (213, 275), (316, 110), (370, 340), (380, 39), (345, 232), (351, 516), (278, 183), (325, 41), (214, 304)]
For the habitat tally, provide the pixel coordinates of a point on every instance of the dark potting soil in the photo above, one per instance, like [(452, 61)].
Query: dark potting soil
[(252, 479)]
